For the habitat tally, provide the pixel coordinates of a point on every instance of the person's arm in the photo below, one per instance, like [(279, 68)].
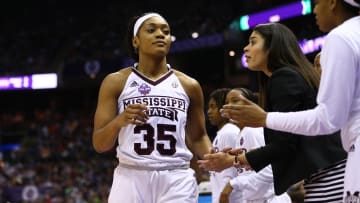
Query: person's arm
[(107, 122), (336, 94), (195, 127), (193, 163), (252, 185), (255, 185)]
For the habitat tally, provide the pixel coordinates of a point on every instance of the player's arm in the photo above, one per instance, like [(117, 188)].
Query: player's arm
[(195, 127), (255, 185), (107, 121), (193, 162)]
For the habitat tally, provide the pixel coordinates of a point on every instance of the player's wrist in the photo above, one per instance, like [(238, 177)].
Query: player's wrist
[(230, 160), (236, 161), (263, 124), (239, 161)]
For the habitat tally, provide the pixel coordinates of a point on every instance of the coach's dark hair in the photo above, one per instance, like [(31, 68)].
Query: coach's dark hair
[(284, 51), (219, 96)]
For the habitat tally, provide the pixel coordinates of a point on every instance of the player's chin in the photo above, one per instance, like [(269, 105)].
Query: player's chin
[(160, 53)]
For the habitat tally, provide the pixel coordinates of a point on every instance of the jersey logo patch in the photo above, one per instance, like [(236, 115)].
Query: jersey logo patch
[(174, 84), (241, 141), (134, 84), (144, 89), (352, 148)]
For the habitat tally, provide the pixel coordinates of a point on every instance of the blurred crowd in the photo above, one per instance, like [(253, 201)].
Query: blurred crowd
[(55, 160), (45, 36)]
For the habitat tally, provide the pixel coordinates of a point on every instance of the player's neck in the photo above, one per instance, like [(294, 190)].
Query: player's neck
[(152, 69), (221, 125)]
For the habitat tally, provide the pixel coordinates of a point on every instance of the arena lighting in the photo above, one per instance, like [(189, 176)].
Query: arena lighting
[(200, 42), (195, 35), (35, 81), (307, 46), (8, 147), (273, 15)]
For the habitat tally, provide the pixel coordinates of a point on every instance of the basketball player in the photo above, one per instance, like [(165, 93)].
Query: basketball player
[(150, 109), (239, 184), (226, 137)]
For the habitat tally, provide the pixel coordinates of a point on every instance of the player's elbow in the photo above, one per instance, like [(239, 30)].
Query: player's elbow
[(99, 146)]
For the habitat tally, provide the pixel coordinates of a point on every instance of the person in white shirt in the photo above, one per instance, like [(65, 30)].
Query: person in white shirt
[(226, 137), (238, 184), (338, 99)]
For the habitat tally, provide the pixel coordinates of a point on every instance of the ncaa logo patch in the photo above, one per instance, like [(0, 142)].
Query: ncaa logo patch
[(144, 89)]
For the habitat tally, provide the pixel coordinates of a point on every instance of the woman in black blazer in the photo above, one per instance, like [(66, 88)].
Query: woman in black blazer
[(288, 82)]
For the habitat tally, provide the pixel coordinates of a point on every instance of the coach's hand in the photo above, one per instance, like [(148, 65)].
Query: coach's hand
[(248, 114)]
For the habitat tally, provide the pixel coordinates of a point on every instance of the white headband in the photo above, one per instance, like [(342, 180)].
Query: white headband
[(142, 19), (353, 3)]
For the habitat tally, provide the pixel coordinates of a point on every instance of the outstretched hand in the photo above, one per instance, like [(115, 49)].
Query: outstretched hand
[(216, 161), (247, 114)]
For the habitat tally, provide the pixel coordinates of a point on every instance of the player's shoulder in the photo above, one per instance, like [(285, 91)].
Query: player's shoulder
[(116, 80), (184, 78), (231, 127), (345, 34), (253, 131), (191, 86), (229, 130), (119, 75)]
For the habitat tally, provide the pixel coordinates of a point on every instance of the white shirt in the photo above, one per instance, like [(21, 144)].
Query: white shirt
[(226, 137), (255, 187), (339, 92)]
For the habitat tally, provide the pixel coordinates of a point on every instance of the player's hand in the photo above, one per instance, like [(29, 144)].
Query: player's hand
[(226, 149), (247, 114), (225, 194), (216, 161), (235, 151), (134, 114)]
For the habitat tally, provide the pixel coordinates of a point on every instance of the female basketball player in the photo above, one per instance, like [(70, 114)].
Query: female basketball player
[(150, 109), (239, 184)]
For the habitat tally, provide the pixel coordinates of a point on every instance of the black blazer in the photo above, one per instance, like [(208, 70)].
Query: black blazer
[(293, 157)]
